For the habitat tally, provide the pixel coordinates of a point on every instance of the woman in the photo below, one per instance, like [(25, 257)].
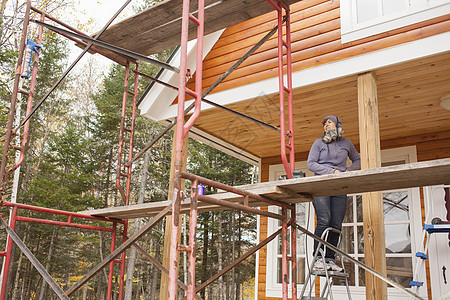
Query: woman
[(328, 155)]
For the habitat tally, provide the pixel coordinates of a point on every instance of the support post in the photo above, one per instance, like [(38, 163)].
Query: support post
[(284, 258), (192, 240), (293, 256), (373, 215), (163, 292), (111, 264), (183, 129), (7, 260)]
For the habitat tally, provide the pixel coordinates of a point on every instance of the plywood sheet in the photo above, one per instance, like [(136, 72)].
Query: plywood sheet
[(303, 189), (158, 28)]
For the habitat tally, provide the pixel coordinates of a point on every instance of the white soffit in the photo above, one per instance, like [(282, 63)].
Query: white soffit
[(157, 102), (358, 64)]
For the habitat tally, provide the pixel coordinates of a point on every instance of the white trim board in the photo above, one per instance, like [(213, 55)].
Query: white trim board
[(159, 99), (414, 13), (362, 63)]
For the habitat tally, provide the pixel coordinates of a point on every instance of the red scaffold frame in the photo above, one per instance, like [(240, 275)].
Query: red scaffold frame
[(14, 218), (181, 132)]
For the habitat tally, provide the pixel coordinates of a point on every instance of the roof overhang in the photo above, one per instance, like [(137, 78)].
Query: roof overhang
[(326, 74), (157, 103)]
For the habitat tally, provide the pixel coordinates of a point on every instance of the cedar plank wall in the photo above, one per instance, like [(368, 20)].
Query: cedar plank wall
[(315, 27), (429, 146), (315, 33)]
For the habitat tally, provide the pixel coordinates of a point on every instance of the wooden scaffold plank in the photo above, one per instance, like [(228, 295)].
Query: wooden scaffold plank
[(297, 190), (158, 27)]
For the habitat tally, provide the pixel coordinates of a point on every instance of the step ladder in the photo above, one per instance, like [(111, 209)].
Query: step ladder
[(435, 225), (312, 275)]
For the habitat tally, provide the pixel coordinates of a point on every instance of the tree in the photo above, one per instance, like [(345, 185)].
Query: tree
[(71, 164)]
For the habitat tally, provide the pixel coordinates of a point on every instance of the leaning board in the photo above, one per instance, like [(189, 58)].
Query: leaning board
[(159, 27), (297, 190)]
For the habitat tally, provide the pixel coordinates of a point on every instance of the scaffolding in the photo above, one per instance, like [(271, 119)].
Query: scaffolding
[(129, 59), (125, 160)]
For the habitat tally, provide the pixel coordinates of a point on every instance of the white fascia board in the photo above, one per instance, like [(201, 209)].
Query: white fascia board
[(377, 26), (158, 101), (358, 64)]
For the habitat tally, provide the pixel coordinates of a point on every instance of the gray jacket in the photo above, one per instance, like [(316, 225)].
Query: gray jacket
[(325, 158)]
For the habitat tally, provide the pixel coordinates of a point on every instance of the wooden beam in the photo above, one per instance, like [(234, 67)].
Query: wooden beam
[(373, 215), (164, 289)]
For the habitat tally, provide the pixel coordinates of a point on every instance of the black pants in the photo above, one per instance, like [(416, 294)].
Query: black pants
[(330, 212)]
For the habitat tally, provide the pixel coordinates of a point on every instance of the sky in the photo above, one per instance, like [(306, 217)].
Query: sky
[(91, 16), (100, 11)]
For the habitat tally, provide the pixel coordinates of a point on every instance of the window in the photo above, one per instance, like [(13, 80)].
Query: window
[(402, 214), (362, 18), (399, 244)]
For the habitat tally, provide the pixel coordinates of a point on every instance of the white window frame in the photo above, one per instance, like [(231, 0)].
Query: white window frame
[(273, 289), (438, 242), (417, 11)]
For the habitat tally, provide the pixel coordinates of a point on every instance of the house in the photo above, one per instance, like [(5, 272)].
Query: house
[(383, 67), (404, 46)]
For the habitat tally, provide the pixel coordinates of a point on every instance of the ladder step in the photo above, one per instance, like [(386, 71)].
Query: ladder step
[(415, 283), (433, 228), (421, 255), (184, 248), (24, 92), (130, 92), (330, 274), (127, 129), (194, 19)]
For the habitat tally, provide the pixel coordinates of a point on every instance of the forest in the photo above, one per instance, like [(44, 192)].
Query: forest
[(70, 165)]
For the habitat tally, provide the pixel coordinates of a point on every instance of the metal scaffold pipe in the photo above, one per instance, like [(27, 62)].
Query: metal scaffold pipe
[(58, 82), (208, 91), (214, 104)]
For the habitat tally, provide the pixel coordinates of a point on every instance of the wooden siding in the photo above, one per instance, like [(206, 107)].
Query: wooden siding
[(408, 96), (429, 146), (406, 91), (315, 27)]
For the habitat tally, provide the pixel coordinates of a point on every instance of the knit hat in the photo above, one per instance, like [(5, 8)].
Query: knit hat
[(332, 134), (334, 119)]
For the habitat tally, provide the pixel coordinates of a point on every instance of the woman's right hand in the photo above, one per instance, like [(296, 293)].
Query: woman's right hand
[(336, 171)]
